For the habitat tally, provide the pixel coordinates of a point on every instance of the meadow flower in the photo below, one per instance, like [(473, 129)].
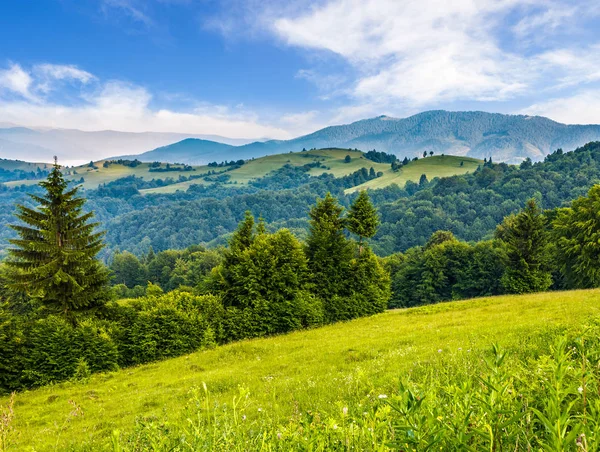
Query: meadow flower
[(440, 350), (259, 410), (279, 435), (345, 410), (382, 396), (580, 390), (243, 417)]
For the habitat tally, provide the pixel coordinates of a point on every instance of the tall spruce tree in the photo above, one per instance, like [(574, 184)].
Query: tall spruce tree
[(363, 219), (526, 241), (55, 255), (328, 250), (576, 231), (223, 277)]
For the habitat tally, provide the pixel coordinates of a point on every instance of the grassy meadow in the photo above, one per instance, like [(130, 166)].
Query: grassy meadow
[(329, 375), (435, 166), (333, 159)]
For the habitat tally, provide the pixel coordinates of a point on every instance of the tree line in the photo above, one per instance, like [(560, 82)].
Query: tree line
[(60, 319), (532, 251)]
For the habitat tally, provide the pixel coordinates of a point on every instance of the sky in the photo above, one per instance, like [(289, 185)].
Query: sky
[(278, 69)]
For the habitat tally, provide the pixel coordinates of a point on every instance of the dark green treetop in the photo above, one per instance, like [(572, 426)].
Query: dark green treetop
[(526, 241), (363, 219), (577, 238), (54, 258)]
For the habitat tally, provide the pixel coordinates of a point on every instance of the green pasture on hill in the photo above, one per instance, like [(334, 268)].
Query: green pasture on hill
[(320, 370)]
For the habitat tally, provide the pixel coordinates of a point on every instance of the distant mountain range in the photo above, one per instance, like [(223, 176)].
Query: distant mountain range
[(508, 138), (77, 146)]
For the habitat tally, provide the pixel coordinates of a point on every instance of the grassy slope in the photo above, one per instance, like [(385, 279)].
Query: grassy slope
[(308, 370), (436, 166)]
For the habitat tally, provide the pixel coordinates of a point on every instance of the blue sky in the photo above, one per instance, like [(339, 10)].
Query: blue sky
[(265, 68)]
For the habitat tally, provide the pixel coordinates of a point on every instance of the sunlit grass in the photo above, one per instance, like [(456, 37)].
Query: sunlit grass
[(313, 370)]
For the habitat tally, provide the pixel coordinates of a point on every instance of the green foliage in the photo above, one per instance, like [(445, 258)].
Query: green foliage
[(127, 269), (576, 234), (55, 256), (526, 241), (362, 219), (446, 269), (328, 251), (42, 351)]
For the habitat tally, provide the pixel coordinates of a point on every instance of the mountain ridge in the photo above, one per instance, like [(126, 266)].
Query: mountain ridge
[(508, 138)]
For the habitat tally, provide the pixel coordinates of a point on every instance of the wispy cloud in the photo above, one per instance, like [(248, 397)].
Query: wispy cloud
[(580, 108), (131, 8), (114, 105), (15, 80), (409, 55)]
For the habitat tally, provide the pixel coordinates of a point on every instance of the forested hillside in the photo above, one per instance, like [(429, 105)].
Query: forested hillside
[(470, 205)]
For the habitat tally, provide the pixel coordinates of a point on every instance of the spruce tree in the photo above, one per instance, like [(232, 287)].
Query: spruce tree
[(363, 219), (223, 277), (328, 250), (54, 258), (576, 231), (526, 241)]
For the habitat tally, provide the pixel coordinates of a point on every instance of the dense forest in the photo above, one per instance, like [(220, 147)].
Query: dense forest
[(470, 206)]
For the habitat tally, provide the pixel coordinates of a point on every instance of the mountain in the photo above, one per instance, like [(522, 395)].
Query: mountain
[(192, 151), (508, 138), (77, 146)]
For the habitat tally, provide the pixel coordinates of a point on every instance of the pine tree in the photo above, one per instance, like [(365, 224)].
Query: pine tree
[(328, 250), (423, 180), (526, 241), (363, 219), (55, 255)]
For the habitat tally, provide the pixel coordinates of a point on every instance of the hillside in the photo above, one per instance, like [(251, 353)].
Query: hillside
[(332, 161), (508, 138), (272, 381)]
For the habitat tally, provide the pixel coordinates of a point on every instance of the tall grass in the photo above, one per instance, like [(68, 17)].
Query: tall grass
[(417, 379), (539, 398)]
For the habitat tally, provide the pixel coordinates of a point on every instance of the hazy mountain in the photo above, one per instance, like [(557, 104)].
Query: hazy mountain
[(192, 151), (78, 146), (509, 138)]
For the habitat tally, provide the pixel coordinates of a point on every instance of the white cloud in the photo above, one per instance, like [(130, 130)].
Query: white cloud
[(16, 80), (580, 108), (63, 72), (415, 51), (572, 66), (115, 105), (131, 8), (424, 53)]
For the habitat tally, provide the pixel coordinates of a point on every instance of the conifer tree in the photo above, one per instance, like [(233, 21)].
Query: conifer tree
[(526, 243), (54, 258), (363, 219), (223, 277), (576, 230), (328, 250)]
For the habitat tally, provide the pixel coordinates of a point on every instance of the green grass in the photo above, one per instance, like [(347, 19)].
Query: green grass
[(319, 370), (435, 166), (333, 159)]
